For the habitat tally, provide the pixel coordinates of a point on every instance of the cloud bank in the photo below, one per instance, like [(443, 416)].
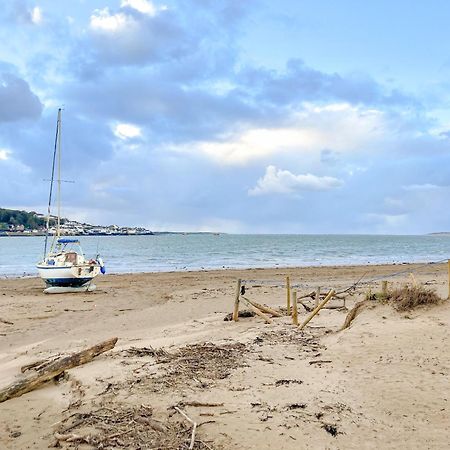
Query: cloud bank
[(170, 121)]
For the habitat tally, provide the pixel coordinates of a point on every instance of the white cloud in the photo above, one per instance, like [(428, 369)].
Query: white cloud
[(342, 127), (4, 154), (421, 187), (36, 15), (278, 181), (127, 131), (101, 20), (143, 6)]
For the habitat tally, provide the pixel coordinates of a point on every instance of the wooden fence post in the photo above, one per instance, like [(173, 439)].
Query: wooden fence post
[(294, 308), (288, 296), (384, 288), (448, 263), (319, 307), (317, 300), (236, 301)]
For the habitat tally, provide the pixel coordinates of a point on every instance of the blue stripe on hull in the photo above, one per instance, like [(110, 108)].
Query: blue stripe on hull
[(67, 282)]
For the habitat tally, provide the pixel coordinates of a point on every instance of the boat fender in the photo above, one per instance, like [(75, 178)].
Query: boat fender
[(102, 266)]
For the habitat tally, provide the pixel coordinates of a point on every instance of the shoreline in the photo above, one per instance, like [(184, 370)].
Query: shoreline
[(237, 269)]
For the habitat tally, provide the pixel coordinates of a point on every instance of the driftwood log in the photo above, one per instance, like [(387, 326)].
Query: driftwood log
[(354, 312), (257, 311), (263, 308), (35, 379)]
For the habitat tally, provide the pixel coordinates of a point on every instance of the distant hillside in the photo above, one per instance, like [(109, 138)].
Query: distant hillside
[(22, 223), (14, 219)]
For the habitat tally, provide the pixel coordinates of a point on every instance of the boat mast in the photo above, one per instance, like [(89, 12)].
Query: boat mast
[(51, 186), (58, 230)]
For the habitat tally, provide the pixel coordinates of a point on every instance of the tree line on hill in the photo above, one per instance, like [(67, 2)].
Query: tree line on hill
[(15, 218)]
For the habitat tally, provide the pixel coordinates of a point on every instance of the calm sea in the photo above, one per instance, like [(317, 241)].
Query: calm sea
[(179, 252)]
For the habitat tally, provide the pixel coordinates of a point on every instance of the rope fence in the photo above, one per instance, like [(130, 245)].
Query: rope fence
[(320, 298), (277, 283)]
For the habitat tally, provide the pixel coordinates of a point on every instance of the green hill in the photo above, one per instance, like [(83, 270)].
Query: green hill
[(14, 217)]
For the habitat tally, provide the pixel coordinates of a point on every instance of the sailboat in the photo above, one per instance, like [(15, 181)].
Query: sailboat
[(64, 268)]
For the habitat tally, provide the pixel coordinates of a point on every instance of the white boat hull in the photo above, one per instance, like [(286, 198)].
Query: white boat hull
[(66, 290), (68, 276)]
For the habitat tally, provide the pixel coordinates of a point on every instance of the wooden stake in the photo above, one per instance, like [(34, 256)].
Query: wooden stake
[(257, 311), (384, 288), (448, 262), (319, 307), (35, 379), (288, 294), (317, 300), (236, 301), (294, 308), (263, 308)]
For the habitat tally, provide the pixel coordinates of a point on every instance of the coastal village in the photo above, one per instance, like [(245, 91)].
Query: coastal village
[(71, 228)]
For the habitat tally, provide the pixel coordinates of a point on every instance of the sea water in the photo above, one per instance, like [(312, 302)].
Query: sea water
[(182, 252)]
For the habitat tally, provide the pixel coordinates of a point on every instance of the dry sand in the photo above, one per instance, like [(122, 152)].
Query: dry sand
[(382, 383)]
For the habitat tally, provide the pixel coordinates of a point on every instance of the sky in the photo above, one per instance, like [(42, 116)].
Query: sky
[(294, 116)]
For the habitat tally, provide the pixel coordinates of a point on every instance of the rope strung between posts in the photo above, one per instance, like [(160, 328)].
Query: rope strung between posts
[(271, 283), (277, 283), (392, 275)]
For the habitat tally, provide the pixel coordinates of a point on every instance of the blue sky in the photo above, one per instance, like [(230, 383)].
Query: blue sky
[(215, 115)]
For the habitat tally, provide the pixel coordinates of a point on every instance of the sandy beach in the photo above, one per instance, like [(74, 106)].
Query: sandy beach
[(381, 383)]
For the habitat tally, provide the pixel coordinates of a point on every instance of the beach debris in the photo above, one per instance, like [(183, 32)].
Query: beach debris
[(319, 362), (307, 308), (330, 429), (257, 311), (302, 342), (287, 382), (242, 313), (296, 406), (264, 410), (204, 360), (264, 308), (7, 322), (200, 404), (120, 425), (187, 366), (145, 351), (53, 369), (194, 426)]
